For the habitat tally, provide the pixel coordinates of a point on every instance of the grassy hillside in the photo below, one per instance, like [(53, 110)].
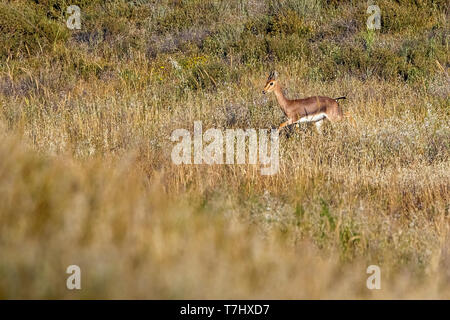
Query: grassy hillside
[(86, 176)]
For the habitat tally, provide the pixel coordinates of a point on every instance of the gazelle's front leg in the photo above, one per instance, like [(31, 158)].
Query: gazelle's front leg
[(284, 124)]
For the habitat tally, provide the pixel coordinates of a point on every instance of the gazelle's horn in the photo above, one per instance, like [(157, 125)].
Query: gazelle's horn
[(273, 75)]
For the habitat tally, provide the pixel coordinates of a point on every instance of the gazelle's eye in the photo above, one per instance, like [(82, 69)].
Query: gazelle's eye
[(271, 83)]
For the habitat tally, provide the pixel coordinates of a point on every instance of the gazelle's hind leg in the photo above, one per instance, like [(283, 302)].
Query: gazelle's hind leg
[(336, 115)]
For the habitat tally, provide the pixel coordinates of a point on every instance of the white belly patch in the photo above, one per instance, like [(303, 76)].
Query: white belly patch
[(312, 118)]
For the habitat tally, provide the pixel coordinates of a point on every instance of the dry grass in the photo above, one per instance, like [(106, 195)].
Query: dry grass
[(86, 176)]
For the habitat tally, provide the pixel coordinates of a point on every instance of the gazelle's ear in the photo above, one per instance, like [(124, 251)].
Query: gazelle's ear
[(275, 75), (270, 77)]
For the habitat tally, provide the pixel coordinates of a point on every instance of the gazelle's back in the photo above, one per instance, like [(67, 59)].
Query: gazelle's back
[(299, 108)]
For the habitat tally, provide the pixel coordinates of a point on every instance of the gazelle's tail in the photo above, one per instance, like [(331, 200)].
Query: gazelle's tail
[(340, 98)]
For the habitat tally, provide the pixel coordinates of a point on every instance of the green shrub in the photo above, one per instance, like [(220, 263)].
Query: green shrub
[(25, 30), (288, 47), (406, 16), (201, 72), (289, 22)]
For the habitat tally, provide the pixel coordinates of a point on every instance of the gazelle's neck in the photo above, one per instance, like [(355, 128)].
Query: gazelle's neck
[(282, 100)]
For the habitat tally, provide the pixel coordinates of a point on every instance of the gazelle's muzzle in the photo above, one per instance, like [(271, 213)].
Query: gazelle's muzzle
[(264, 91)]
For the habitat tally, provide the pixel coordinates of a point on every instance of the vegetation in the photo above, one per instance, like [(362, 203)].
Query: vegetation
[(86, 176)]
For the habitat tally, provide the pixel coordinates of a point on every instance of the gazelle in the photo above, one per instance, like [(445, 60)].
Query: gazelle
[(312, 109)]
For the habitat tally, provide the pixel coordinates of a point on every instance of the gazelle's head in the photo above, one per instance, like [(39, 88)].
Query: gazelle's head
[(271, 82)]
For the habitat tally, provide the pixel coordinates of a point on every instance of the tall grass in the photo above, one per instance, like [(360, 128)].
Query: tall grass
[(86, 176)]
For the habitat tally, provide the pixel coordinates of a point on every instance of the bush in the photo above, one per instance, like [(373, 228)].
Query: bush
[(25, 30)]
